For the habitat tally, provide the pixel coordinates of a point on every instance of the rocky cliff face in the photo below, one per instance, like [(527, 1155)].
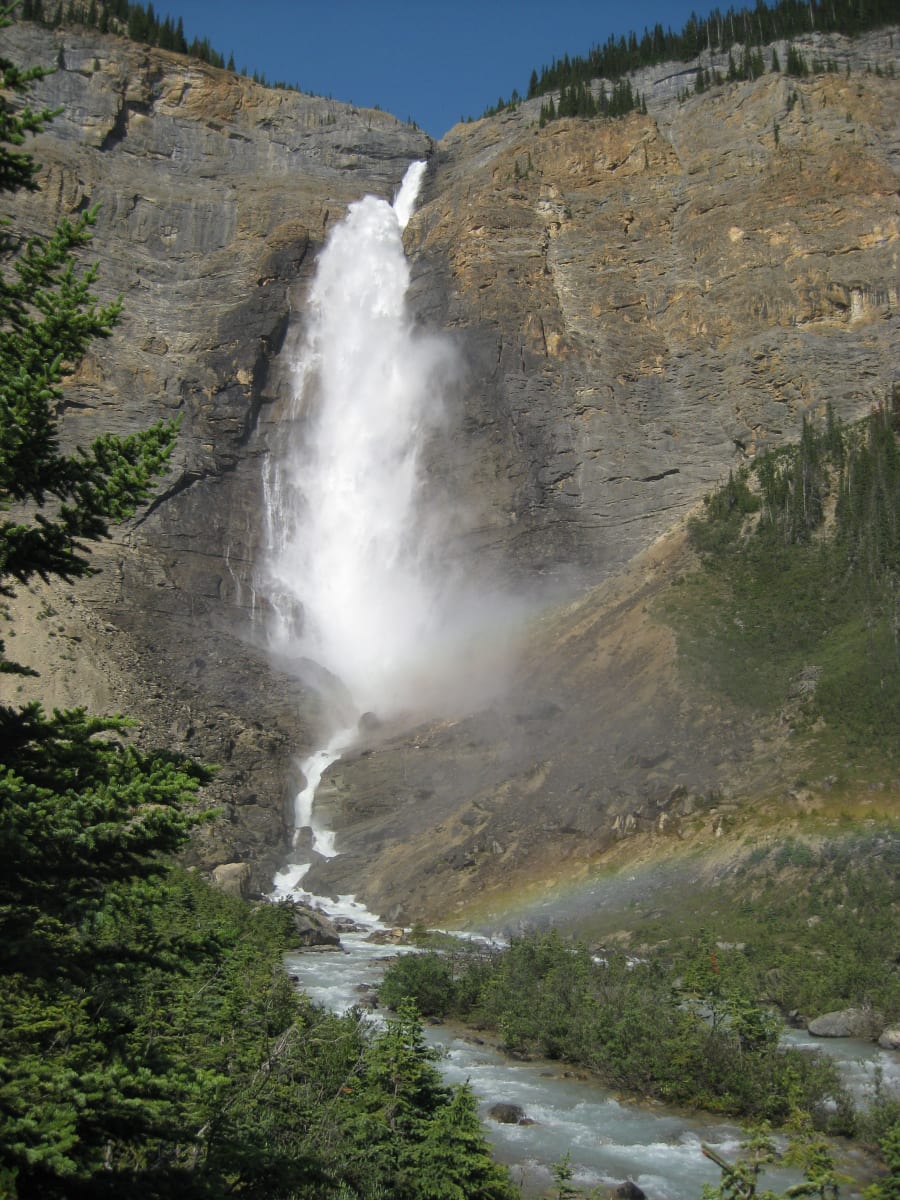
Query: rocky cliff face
[(645, 302), (214, 195), (639, 305)]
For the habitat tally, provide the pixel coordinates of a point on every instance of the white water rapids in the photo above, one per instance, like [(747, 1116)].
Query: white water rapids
[(609, 1140)]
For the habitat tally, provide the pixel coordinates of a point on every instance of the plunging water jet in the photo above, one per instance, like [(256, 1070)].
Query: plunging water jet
[(364, 572)]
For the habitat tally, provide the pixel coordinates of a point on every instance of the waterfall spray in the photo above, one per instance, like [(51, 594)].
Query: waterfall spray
[(346, 573)]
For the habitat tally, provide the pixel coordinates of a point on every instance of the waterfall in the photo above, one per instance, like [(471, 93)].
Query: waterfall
[(354, 575), (350, 572), (361, 575)]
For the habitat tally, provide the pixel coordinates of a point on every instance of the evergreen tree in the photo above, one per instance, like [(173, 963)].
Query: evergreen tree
[(795, 63), (82, 818), (423, 1141), (138, 26), (452, 1162), (166, 35)]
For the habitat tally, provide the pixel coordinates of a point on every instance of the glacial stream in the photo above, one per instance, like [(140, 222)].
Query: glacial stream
[(608, 1140), (358, 582)]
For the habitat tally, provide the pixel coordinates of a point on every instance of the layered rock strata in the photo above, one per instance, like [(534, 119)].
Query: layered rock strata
[(644, 303), (639, 304)]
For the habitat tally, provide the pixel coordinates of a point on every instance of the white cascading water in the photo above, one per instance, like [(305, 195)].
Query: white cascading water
[(352, 570), (357, 573)]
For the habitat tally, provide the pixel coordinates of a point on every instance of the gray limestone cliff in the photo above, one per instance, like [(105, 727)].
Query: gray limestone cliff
[(640, 304)]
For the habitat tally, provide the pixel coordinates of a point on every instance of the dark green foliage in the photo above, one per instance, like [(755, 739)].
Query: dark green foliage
[(806, 1150), (888, 1186), (192, 1068), (78, 813), (579, 101), (130, 19), (795, 63), (723, 515), (817, 921), (794, 925), (843, 957), (17, 169), (562, 1178), (427, 977), (750, 65), (703, 1042), (404, 1134), (749, 28), (140, 23), (48, 318), (83, 818), (797, 589)]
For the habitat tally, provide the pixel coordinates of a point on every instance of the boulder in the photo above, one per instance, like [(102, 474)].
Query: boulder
[(387, 937), (507, 1114), (890, 1038), (313, 928), (629, 1190), (845, 1022), (232, 878)]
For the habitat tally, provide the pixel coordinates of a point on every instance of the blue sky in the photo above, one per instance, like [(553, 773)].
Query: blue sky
[(433, 61)]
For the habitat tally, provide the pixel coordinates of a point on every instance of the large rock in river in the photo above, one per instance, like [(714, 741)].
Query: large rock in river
[(847, 1022)]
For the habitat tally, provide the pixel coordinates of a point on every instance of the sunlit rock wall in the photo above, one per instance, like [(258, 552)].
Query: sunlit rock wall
[(644, 303)]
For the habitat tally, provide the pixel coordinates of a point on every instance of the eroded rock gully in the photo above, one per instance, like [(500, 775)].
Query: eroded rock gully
[(639, 305)]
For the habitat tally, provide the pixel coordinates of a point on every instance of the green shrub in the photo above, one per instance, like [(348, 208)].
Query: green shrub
[(705, 1044), (425, 978)]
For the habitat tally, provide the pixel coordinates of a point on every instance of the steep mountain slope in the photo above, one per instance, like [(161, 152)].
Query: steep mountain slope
[(639, 305)]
